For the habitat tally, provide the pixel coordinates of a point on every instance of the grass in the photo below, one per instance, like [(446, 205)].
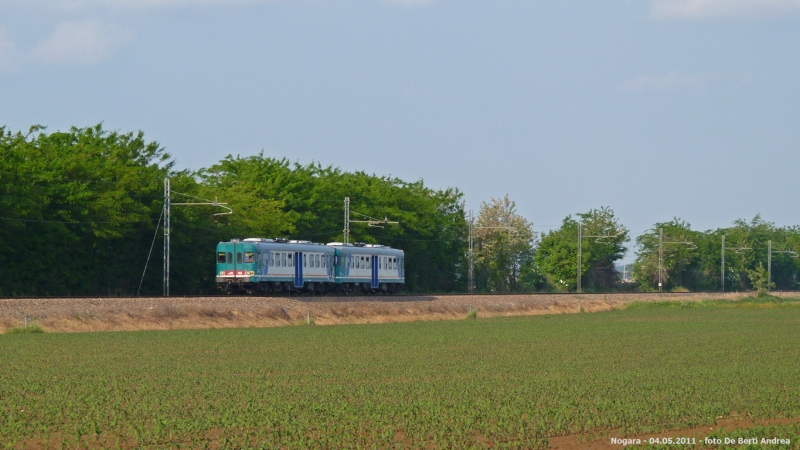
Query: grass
[(29, 329), (508, 382), (745, 302)]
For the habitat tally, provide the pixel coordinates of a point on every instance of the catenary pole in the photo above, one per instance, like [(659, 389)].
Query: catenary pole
[(167, 206), (580, 248), (769, 264), (167, 201), (722, 275), (346, 232), (660, 259), (471, 257)]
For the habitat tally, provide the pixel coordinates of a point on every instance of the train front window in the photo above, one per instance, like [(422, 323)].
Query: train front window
[(249, 257), (221, 257), (238, 257)]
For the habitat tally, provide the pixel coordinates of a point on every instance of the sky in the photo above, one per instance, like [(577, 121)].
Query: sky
[(655, 108)]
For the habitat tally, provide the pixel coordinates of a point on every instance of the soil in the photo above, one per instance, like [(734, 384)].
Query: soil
[(577, 441), (172, 313)]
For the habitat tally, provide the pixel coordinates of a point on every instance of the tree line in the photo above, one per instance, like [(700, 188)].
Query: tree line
[(80, 210)]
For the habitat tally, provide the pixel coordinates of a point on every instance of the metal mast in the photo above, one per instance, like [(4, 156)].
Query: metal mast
[(660, 258), (580, 248), (769, 261), (471, 260), (167, 201), (372, 222), (580, 251), (723, 264), (346, 232), (167, 204)]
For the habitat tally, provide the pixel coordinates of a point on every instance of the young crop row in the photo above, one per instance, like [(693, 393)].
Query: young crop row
[(502, 382)]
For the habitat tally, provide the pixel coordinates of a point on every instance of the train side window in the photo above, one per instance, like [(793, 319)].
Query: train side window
[(221, 257), (317, 264), (249, 257), (369, 262), (304, 261), (238, 257), (283, 259), (324, 261), (230, 258), (290, 260)]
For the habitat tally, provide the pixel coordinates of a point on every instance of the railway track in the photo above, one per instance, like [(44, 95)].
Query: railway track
[(412, 295)]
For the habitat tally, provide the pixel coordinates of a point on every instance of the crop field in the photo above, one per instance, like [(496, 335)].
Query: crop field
[(502, 382)]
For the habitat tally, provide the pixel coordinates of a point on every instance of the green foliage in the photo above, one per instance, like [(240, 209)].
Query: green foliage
[(473, 314), (698, 267), (557, 254), (504, 249), (760, 280), (680, 258), (432, 229), (761, 301), (511, 382), (79, 211), (29, 329)]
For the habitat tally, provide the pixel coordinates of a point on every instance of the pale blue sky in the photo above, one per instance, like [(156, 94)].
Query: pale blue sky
[(657, 108)]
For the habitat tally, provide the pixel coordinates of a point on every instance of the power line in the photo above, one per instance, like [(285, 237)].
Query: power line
[(117, 222)]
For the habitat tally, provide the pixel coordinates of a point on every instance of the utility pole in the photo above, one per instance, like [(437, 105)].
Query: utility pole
[(661, 242), (660, 258), (167, 204), (580, 248), (471, 257), (167, 200), (346, 220), (769, 263), (580, 256), (722, 275), (372, 222), (792, 253), (722, 266)]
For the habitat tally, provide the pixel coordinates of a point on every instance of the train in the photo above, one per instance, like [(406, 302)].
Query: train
[(263, 266)]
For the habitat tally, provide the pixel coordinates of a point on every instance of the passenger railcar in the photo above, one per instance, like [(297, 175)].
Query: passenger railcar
[(367, 267), (273, 265), (257, 265)]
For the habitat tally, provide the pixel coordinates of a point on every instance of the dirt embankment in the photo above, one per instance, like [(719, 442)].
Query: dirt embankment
[(158, 313)]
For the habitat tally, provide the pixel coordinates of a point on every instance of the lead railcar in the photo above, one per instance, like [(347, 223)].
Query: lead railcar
[(258, 265)]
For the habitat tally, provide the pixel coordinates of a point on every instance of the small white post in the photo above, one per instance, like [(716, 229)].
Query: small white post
[(308, 317)]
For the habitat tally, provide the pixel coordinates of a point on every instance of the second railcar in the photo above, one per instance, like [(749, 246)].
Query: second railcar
[(368, 268)]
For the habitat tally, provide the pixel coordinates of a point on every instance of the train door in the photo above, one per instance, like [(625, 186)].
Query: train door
[(298, 269), (374, 272)]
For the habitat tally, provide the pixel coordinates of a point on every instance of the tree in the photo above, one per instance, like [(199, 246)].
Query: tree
[(504, 242), (557, 254), (681, 262), (309, 201)]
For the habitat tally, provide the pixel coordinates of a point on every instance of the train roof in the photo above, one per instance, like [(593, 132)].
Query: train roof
[(373, 249), (280, 243), (308, 246)]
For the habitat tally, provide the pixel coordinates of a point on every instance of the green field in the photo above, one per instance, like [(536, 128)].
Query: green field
[(503, 382)]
